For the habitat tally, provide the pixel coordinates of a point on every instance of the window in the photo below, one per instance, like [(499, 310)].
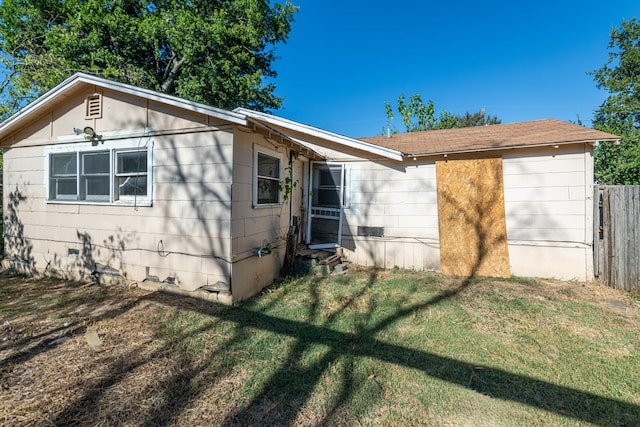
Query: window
[(111, 175), (94, 176), (327, 179), (267, 177), (131, 173), (63, 181)]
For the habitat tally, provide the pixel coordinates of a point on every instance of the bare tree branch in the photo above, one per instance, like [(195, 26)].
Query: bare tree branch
[(171, 78)]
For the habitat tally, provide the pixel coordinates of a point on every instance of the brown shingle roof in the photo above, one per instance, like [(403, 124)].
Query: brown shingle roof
[(493, 137)]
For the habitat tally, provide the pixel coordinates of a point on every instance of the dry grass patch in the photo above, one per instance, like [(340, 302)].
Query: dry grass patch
[(368, 347)]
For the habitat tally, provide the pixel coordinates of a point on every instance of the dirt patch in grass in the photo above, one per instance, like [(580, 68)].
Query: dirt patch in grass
[(369, 347)]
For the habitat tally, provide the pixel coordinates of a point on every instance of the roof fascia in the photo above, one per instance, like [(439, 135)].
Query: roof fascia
[(293, 141), (166, 99), (513, 147), (78, 78), (323, 134)]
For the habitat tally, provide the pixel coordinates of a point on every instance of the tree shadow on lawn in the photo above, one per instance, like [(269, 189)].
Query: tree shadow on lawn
[(45, 297), (279, 400), (292, 386), (283, 396)]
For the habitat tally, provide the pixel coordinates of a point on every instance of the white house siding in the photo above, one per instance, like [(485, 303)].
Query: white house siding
[(253, 225), (548, 204), (548, 207), (185, 235), (401, 198)]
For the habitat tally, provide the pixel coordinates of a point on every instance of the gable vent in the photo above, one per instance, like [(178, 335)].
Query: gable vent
[(94, 106)]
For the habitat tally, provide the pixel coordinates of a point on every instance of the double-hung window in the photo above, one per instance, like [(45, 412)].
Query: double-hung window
[(267, 176), (95, 176), (63, 176), (131, 173), (117, 173)]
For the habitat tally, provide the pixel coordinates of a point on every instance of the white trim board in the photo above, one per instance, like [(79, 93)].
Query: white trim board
[(81, 78), (322, 134)]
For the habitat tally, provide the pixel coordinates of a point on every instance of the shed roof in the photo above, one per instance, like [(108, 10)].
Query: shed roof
[(493, 137)]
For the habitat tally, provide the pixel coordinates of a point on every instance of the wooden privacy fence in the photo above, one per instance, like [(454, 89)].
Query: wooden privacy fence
[(616, 249)]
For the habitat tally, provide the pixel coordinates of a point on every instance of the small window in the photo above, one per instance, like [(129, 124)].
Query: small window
[(63, 180), (267, 177), (131, 173), (94, 178), (93, 106)]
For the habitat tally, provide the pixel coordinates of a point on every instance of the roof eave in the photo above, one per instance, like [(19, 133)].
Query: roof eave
[(308, 151), (511, 147), (79, 78), (175, 101), (323, 134)]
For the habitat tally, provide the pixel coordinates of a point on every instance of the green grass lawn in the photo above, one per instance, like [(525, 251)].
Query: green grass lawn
[(367, 347)]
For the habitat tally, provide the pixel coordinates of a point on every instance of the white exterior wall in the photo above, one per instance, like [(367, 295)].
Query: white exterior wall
[(186, 233), (401, 197), (202, 226), (252, 225), (548, 207), (549, 211)]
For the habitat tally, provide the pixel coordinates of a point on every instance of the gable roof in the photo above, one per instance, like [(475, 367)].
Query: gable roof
[(35, 108), (482, 138), (240, 116), (493, 137)]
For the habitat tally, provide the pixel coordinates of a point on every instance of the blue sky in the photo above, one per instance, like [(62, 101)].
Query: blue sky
[(519, 60)]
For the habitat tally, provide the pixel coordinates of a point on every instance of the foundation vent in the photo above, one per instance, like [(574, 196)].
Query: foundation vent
[(94, 106), (371, 231)]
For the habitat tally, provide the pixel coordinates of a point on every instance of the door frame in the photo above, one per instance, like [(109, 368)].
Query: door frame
[(318, 214)]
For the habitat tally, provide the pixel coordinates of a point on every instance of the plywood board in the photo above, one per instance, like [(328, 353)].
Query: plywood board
[(471, 218)]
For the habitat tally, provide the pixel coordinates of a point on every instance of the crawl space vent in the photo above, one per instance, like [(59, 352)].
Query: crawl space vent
[(371, 231)]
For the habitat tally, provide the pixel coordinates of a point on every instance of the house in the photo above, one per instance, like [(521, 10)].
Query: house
[(106, 179)]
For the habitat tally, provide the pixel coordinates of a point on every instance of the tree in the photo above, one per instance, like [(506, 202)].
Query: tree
[(216, 52), (418, 116), (476, 119), (620, 112)]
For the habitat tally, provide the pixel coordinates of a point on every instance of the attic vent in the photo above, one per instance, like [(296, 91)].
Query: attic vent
[(94, 106)]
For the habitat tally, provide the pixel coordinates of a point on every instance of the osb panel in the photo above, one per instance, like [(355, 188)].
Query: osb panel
[(471, 218)]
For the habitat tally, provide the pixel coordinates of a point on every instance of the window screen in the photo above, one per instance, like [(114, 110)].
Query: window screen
[(131, 173), (100, 176), (63, 179), (267, 179), (326, 186), (94, 180)]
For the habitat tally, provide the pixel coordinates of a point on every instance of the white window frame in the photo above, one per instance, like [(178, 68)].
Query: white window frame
[(113, 147), (258, 149), (332, 213), (345, 191), (118, 174), (83, 177), (48, 178)]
